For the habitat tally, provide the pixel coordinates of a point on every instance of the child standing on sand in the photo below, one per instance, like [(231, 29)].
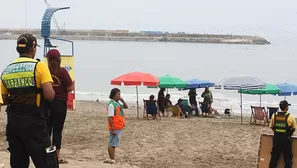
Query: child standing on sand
[(116, 122)]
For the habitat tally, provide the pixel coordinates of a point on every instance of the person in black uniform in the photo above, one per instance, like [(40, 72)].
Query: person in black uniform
[(283, 124), (26, 88)]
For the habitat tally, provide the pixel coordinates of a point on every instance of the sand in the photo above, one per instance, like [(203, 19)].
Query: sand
[(166, 143)]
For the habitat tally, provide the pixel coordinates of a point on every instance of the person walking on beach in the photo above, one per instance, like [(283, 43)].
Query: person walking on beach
[(116, 122), (161, 100), (62, 86), (26, 88), (283, 125)]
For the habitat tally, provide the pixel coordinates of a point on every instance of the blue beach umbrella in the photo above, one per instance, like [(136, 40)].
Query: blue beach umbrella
[(287, 89), (197, 83)]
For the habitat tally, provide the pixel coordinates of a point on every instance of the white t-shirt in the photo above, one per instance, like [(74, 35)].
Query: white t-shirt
[(110, 109)]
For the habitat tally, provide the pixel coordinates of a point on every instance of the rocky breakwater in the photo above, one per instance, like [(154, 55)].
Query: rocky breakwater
[(113, 35), (184, 38), (226, 39)]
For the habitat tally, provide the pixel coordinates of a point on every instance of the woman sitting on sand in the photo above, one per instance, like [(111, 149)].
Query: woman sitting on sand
[(62, 85)]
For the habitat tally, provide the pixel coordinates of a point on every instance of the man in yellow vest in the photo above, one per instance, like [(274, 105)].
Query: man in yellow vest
[(116, 122), (283, 124), (26, 88)]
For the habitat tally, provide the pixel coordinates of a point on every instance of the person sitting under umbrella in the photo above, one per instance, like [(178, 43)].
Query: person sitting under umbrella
[(181, 106), (151, 107)]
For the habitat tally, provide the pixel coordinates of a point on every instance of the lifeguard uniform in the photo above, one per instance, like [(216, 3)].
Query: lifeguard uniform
[(26, 129), (282, 123)]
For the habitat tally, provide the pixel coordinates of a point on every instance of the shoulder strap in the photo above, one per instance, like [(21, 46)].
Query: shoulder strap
[(287, 116)]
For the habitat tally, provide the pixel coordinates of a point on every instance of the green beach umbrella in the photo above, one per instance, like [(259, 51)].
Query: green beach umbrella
[(269, 89), (171, 82)]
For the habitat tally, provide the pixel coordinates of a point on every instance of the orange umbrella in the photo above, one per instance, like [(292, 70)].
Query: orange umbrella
[(136, 79)]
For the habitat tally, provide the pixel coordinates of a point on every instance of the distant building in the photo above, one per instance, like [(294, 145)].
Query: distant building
[(152, 32)]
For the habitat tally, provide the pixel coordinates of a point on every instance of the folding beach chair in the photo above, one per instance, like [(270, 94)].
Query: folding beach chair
[(204, 106), (259, 114), (187, 107), (271, 110), (150, 108), (176, 111)]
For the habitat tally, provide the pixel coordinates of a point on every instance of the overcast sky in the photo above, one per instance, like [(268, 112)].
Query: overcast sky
[(253, 17)]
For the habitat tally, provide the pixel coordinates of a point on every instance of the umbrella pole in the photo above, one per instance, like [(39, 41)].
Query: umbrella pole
[(241, 106), (137, 102), (260, 100), (285, 97), (167, 90)]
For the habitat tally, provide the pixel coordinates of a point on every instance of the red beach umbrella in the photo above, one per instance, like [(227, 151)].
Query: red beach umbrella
[(136, 79)]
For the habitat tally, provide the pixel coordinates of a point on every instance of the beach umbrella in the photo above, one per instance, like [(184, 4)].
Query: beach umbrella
[(170, 82), (136, 79), (269, 89), (240, 82), (287, 89), (197, 83)]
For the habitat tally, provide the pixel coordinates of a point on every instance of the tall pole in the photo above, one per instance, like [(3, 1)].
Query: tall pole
[(25, 14), (137, 102), (241, 105)]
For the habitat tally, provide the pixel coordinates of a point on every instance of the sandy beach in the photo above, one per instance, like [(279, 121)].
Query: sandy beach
[(166, 143)]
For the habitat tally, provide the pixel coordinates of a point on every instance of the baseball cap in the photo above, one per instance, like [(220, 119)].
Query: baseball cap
[(284, 103), (53, 53), (26, 40)]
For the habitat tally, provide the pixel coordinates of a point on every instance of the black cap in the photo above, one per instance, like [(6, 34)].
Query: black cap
[(27, 41), (284, 104)]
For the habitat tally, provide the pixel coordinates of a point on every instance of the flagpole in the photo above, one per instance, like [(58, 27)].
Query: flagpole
[(25, 14)]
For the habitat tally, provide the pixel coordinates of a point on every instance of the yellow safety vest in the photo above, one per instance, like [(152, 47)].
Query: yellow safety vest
[(20, 81), (281, 122)]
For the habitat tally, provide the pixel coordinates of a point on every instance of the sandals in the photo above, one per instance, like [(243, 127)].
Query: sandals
[(63, 161)]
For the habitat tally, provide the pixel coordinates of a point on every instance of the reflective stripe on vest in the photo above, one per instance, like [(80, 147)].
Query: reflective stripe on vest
[(281, 122), (118, 118), (19, 79)]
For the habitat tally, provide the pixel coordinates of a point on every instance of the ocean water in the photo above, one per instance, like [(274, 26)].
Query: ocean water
[(98, 62)]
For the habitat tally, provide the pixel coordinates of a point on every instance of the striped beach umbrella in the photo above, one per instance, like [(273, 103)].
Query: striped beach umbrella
[(241, 82)]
